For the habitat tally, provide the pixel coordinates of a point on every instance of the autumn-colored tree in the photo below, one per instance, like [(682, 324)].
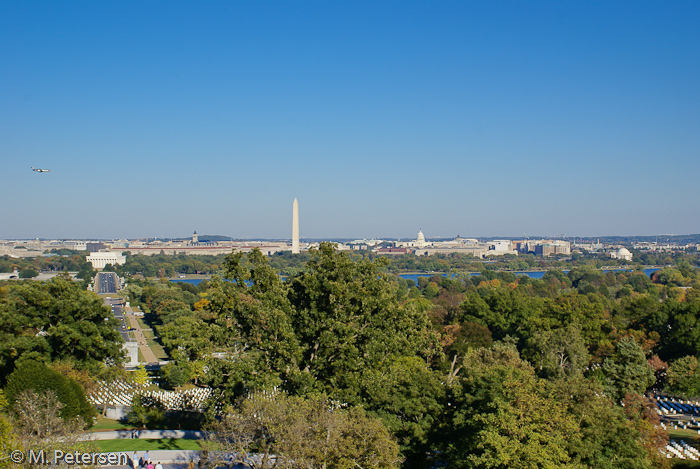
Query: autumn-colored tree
[(39, 425), (270, 428), (641, 412), (501, 416), (608, 438)]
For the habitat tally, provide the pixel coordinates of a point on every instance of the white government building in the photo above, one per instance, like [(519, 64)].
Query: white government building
[(100, 259), (622, 253)]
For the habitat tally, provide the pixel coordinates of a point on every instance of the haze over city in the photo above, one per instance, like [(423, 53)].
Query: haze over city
[(479, 119)]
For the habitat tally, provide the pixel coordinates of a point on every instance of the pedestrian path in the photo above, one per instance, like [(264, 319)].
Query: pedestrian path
[(148, 355), (148, 435), (172, 459)]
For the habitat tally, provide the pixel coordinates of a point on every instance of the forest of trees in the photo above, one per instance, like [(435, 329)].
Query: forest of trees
[(56, 339), (493, 370), (442, 363), (64, 260)]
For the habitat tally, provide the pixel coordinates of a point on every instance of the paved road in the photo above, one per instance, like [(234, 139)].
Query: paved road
[(106, 282), (118, 312)]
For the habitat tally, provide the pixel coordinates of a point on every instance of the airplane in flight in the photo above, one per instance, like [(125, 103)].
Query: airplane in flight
[(41, 170)]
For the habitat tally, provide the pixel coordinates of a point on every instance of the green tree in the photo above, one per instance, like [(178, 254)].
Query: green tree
[(503, 310), (501, 416), (145, 411), (39, 378), (337, 327), (607, 438), (319, 331), (177, 374), (86, 273), (627, 370), (141, 375), (187, 337), (683, 377), (9, 441), (251, 319), (670, 276), (559, 352), (678, 325), (408, 396), (28, 273), (558, 275), (460, 338), (56, 320), (347, 320)]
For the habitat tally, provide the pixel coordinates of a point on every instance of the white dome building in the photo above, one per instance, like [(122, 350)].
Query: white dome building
[(420, 239), (419, 242), (622, 253)]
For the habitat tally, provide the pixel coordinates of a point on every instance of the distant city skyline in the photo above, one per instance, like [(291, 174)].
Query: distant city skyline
[(660, 238), (482, 119)]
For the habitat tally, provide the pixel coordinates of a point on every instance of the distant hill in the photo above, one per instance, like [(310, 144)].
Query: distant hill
[(213, 238), (202, 238), (661, 239), (672, 239)]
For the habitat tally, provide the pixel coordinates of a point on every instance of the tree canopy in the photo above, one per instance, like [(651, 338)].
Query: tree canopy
[(38, 378), (55, 320), (488, 370)]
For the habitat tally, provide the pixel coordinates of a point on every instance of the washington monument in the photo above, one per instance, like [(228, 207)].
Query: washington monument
[(295, 227)]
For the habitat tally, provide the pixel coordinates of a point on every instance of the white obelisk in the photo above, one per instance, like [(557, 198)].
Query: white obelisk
[(295, 227)]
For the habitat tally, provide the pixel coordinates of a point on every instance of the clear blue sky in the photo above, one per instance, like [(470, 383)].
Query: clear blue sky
[(489, 118)]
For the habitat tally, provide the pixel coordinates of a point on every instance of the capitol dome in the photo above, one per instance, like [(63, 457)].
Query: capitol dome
[(420, 239)]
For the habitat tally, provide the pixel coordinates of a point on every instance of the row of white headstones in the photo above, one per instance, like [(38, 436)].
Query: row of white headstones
[(121, 393)]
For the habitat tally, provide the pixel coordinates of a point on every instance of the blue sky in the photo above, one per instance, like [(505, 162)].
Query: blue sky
[(474, 118)]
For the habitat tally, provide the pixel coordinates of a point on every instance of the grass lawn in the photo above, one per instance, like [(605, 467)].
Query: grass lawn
[(684, 464), (157, 349), (689, 436), (142, 324), (108, 424), (109, 446)]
